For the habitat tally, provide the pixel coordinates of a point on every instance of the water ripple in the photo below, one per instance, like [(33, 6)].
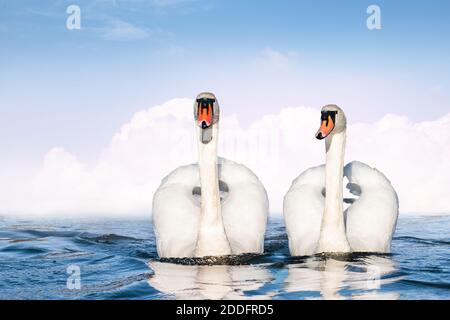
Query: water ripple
[(118, 260)]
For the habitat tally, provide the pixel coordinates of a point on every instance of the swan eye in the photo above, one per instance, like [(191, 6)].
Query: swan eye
[(327, 114), (332, 116)]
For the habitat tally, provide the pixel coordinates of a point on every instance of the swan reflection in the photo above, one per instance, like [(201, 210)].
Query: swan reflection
[(315, 277), (332, 278), (208, 282)]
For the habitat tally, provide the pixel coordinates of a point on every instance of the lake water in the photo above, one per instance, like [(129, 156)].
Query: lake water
[(116, 259)]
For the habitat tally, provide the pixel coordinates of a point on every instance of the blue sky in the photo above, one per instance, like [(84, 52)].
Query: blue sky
[(76, 88)]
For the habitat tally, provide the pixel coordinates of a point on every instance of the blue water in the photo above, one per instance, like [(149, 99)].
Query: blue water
[(117, 260)]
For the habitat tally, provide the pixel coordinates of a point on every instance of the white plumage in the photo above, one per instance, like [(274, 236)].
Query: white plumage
[(303, 209), (176, 211), (370, 220)]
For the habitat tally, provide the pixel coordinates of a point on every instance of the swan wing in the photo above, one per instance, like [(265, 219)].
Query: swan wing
[(176, 214), (303, 208), (244, 209), (371, 219)]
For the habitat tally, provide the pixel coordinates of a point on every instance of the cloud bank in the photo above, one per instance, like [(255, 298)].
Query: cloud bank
[(277, 147)]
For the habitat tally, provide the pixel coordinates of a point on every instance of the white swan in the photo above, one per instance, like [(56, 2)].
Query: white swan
[(230, 217), (313, 207)]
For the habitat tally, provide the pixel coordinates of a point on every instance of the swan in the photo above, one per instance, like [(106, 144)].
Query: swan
[(313, 207), (214, 208)]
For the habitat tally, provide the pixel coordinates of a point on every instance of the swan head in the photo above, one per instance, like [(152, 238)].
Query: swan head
[(206, 113), (206, 110), (333, 121)]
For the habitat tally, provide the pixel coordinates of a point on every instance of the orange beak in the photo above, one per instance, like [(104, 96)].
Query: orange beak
[(205, 116), (325, 129)]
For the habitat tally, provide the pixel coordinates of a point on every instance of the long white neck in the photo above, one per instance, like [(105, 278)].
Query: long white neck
[(212, 239), (333, 238)]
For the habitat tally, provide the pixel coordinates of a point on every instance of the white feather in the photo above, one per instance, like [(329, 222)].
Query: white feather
[(370, 220), (303, 210), (176, 211)]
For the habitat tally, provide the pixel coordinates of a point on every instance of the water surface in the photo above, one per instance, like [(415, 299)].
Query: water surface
[(117, 260)]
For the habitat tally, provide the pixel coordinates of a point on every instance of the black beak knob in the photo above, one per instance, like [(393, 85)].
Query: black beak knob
[(319, 136)]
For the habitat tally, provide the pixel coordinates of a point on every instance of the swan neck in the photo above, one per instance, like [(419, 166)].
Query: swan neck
[(333, 235), (209, 179), (335, 151), (212, 239)]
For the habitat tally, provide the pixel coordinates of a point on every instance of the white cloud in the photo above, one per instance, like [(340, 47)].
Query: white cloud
[(168, 3), (272, 59), (121, 30), (152, 3), (276, 147)]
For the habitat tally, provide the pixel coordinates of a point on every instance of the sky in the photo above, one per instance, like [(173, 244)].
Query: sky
[(76, 89)]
